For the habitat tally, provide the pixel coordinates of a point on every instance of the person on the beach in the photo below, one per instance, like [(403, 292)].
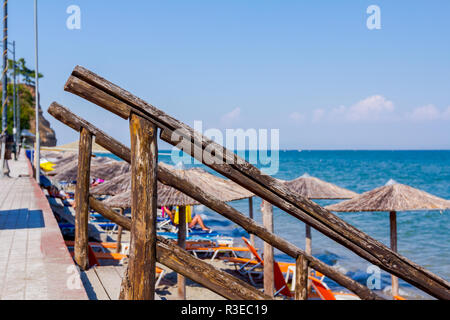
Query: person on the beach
[(197, 220), (54, 192), (96, 182)]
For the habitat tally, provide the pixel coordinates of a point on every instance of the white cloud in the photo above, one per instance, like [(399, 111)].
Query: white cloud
[(318, 115), (297, 117), (231, 116), (446, 114), (425, 113), (370, 109)]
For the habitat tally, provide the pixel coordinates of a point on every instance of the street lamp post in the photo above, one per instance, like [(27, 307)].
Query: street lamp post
[(38, 144), (14, 98), (4, 87), (16, 103), (18, 119)]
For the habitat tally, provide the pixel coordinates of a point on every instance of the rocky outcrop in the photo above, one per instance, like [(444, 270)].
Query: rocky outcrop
[(47, 134)]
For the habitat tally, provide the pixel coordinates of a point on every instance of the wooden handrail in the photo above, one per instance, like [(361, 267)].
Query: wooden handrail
[(184, 185), (111, 97)]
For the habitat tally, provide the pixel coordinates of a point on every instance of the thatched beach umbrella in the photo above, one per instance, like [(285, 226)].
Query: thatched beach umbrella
[(222, 189), (74, 147), (101, 167), (69, 161), (167, 196), (392, 197), (315, 188), (120, 188), (113, 187), (60, 159)]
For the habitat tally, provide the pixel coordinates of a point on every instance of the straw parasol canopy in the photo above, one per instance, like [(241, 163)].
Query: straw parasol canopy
[(74, 147), (60, 158), (314, 188), (113, 187), (225, 190), (392, 197), (167, 196), (101, 167)]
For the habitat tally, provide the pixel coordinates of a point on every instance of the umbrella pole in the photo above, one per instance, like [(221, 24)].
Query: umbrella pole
[(181, 281), (250, 214), (119, 235), (308, 249), (393, 226), (267, 215)]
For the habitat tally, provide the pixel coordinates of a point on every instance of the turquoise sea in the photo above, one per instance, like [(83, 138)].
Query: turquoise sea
[(423, 236)]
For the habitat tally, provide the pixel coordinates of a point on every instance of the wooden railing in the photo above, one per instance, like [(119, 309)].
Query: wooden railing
[(182, 184), (111, 97)]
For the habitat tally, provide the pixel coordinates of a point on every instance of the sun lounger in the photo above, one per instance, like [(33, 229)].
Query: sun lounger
[(219, 249), (281, 286), (325, 293)]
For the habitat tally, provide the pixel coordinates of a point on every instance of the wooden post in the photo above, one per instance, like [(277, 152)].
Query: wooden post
[(182, 244), (250, 215), (119, 235), (393, 225), (308, 247), (301, 278), (82, 200), (308, 250), (267, 214), (139, 281)]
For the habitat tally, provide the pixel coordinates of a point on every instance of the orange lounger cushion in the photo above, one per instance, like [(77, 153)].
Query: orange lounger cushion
[(239, 260), (238, 249), (109, 255)]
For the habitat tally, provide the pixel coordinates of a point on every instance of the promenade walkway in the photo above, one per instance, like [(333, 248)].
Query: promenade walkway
[(34, 261)]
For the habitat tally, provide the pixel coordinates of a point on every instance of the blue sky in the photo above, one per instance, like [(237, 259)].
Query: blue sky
[(309, 68)]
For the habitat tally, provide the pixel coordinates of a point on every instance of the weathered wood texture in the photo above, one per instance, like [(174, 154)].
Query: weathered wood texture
[(182, 244), (393, 227), (308, 247), (82, 200), (267, 216), (301, 279), (250, 215), (182, 184), (140, 274), (308, 244)]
